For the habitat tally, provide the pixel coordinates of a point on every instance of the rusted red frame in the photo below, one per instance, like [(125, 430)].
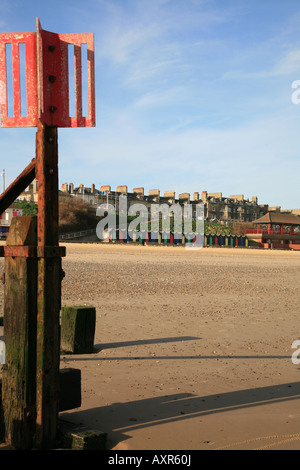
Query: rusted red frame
[(17, 120), (47, 79)]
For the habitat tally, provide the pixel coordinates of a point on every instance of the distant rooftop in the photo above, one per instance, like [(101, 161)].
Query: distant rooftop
[(278, 218)]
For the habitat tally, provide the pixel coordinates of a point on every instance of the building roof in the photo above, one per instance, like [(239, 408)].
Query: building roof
[(278, 218)]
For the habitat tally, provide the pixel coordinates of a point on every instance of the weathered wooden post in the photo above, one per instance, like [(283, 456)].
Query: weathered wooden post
[(30, 394), (18, 377), (78, 329)]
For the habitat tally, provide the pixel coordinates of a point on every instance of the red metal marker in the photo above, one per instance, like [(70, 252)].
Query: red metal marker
[(47, 71), (47, 79)]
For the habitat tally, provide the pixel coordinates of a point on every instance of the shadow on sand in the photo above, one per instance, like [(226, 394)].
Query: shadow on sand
[(119, 418)]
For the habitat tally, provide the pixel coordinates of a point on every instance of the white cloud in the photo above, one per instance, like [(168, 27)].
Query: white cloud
[(289, 64), (253, 159), (150, 34), (157, 99), (123, 44)]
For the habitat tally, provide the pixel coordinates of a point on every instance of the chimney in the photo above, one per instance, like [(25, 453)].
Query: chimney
[(237, 197), (216, 195), (64, 188), (35, 186), (196, 197), (154, 194), (204, 196), (184, 197), (122, 189), (169, 194), (139, 192), (105, 189), (93, 189)]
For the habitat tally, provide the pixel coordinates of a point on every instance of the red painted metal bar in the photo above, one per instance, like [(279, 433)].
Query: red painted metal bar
[(91, 87), (3, 101), (31, 79), (17, 186), (78, 84), (16, 79)]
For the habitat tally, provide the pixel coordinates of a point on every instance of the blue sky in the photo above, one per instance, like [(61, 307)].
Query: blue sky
[(191, 95)]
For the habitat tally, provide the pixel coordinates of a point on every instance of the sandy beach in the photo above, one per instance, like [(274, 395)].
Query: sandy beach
[(193, 348)]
